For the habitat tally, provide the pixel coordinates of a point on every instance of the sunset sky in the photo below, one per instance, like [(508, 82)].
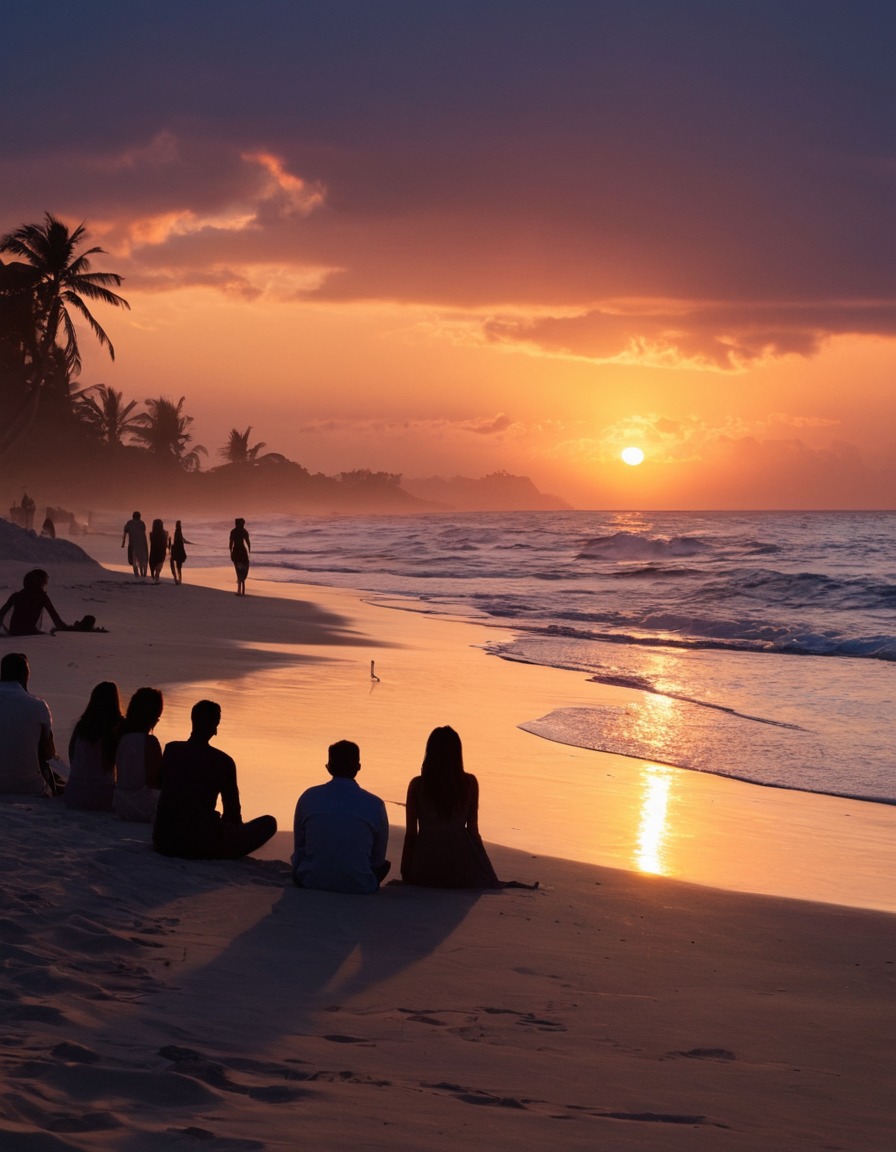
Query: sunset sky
[(473, 235)]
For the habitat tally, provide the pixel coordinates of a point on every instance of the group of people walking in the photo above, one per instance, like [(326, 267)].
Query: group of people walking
[(148, 554), (340, 831)]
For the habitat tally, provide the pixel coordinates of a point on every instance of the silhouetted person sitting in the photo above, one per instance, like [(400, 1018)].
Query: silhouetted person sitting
[(26, 733), (341, 832), (28, 605), (193, 776)]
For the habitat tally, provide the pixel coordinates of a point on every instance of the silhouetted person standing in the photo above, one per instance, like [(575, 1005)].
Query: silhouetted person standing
[(138, 550), (239, 554), (178, 553), (158, 549), (27, 512), (193, 776)]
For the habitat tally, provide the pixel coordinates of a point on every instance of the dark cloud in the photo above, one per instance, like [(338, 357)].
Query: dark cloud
[(723, 337), (487, 153)]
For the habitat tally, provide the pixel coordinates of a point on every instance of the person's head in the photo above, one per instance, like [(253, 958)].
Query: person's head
[(105, 700), (136, 516), (144, 710), (177, 523), (344, 759), (443, 769), (35, 580), (158, 526), (240, 522), (102, 716), (205, 716), (14, 668)]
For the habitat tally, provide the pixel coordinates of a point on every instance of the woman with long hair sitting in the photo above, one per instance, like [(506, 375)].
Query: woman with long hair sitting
[(138, 758), (442, 845), (91, 751)]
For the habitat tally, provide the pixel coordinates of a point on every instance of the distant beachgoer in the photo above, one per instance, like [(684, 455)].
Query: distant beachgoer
[(28, 604), (138, 551), (26, 733), (442, 845), (178, 553), (158, 549), (193, 775), (28, 511), (91, 751), (340, 831), (138, 756), (48, 528), (239, 554)]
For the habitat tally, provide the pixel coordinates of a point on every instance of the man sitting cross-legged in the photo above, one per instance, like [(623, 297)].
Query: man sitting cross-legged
[(193, 775), (341, 831)]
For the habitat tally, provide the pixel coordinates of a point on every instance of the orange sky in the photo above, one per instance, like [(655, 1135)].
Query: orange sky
[(433, 243)]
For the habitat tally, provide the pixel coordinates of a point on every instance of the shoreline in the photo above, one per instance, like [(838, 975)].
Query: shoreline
[(152, 1003), (291, 662)]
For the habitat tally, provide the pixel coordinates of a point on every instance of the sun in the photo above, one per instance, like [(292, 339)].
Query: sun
[(632, 456)]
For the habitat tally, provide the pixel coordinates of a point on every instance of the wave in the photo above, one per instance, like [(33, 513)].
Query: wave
[(800, 589), (636, 546), (719, 746), (739, 638)]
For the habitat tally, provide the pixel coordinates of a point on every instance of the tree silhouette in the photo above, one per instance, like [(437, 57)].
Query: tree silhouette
[(237, 449), (106, 413), (61, 281), (163, 429)]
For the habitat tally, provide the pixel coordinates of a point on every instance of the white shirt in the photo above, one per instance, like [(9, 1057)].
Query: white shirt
[(341, 833), (23, 720)]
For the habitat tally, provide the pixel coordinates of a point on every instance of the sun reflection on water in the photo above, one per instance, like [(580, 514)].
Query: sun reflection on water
[(653, 826)]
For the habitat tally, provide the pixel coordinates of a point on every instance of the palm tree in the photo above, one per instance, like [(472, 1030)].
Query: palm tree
[(106, 413), (163, 429), (61, 283), (237, 449)]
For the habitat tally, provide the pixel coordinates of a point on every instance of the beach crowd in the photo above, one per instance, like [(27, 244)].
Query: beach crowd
[(341, 831)]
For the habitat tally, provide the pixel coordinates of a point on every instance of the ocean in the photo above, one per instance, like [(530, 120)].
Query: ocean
[(760, 646)]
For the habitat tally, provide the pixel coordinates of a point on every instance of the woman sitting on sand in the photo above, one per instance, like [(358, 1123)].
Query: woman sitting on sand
[(91, 751), (28, 604), (158, 549), (138, 757), (442, 845)]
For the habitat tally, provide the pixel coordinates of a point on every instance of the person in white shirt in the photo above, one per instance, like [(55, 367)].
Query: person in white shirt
[(26, 732), (341, 832)]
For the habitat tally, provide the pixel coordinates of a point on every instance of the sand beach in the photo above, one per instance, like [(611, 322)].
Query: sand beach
[(706, 964)]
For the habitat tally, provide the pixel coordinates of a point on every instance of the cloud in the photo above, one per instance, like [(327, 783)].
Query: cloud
[(488, 426), (722, 337), (421, 427)]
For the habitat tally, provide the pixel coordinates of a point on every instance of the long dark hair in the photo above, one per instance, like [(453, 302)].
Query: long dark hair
[(100, 721), (443, 770), (35, 580), (144, 710)]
